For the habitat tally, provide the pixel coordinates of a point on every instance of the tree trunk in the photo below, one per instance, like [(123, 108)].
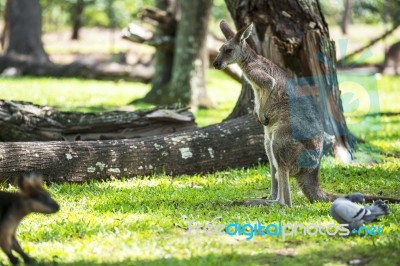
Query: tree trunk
[(163, 58), (180, 74), (164, 43), (237, 142), (23, 36), (22, 121), (191, 33), (294, 35), (5, 29), (77, 11), (199, 95), (245, 104), (348, 5)]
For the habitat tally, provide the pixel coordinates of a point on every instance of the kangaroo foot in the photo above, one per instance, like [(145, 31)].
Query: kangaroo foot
[(259, 202), (280, 202)]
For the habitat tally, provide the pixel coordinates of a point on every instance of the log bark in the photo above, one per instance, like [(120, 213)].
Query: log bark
[(237, 142), (22, 121)]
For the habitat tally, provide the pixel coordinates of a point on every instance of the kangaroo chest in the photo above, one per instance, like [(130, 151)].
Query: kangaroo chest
[(262, 100)]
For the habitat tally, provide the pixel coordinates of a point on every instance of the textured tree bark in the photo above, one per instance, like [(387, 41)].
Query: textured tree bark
[(237, 142), (163, 58), (24, 32), (190, 40), (294, 35), (22, 121), (180, 73)]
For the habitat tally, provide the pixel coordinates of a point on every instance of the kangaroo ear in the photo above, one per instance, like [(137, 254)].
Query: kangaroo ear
[(226, 30), (30, 182), (244, 33)]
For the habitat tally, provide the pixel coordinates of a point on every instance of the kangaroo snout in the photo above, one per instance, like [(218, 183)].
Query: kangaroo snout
[(217, 64), (52, 207)]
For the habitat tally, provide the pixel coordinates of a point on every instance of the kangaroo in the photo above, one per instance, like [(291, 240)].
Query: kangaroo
[(392, 55), (293, 128), (15, 206), (288, 155)]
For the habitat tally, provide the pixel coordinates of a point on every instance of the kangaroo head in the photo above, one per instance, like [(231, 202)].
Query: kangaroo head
[(37, 199), (232, 50)]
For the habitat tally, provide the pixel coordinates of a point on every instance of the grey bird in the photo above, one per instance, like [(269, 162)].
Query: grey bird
[(346, 211)]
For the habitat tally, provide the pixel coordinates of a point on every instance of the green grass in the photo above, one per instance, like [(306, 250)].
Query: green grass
[(142, 221), (378, 123), (69, 94), (72, 94)]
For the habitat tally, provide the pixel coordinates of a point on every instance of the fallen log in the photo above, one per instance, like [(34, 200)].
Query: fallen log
[(23, 121), (79, 69), (234, 143)]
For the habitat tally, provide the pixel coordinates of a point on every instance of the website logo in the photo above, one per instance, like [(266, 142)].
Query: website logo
[(280, 229)]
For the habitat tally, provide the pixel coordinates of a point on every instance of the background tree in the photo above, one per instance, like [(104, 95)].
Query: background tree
[(348, 5), (23, 30), (387, 11), (164, 55), (190, 61), (76, 17), (294, 35), (180, 74)]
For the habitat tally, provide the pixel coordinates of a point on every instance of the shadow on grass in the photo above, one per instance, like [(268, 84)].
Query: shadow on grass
[(360, 255)]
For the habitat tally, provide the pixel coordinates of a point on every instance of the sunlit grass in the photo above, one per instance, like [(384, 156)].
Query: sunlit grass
[(73, 95), (373, 110), (142, 220)]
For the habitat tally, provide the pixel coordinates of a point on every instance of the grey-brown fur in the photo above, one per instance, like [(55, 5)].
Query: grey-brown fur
[(15, 206), (292, 125), (392, 56)]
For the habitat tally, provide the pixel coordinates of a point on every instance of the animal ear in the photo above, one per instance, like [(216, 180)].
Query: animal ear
[(30, 182), (244, 33), (226, 30)]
